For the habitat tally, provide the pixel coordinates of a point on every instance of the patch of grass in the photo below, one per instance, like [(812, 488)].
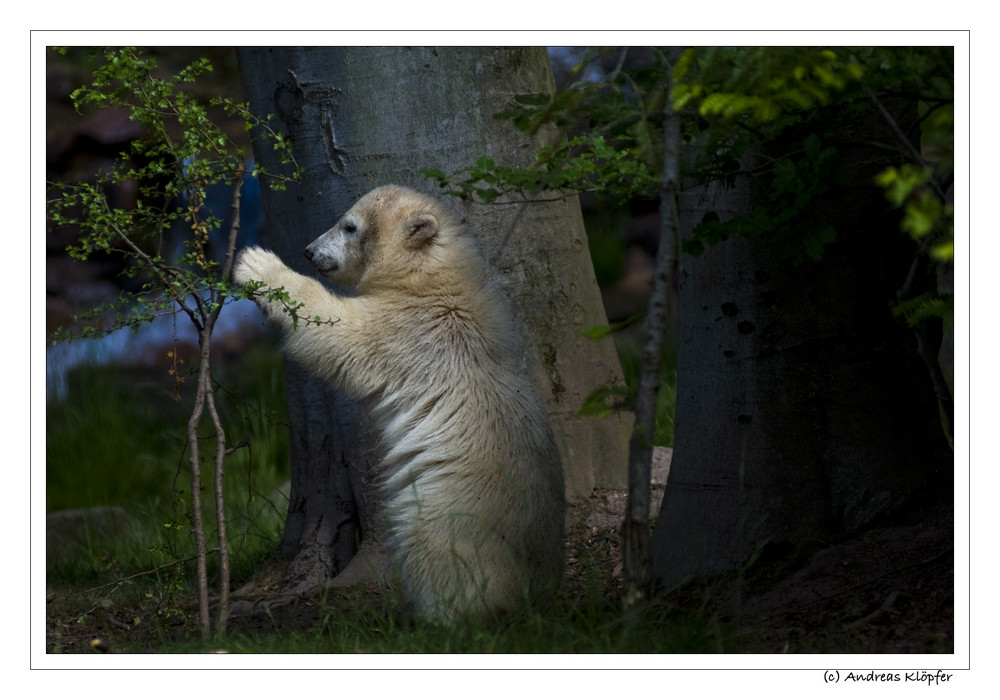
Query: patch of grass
[(140, 611), (117, 438), (371, 622)]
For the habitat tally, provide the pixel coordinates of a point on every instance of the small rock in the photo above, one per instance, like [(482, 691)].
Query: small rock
[(69, 530)]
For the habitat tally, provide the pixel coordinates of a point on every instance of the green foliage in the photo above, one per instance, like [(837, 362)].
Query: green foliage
[(585, 163), (762, 83), (770, 92), (617, 153), (924, 307), (752, 112), (182, 153), (925, 216), (734, 101)]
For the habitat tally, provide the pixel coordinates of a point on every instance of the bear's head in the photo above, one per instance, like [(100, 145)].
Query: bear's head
[(388, 234)]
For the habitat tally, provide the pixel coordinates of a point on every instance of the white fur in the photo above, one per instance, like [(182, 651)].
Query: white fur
[(473, 488)]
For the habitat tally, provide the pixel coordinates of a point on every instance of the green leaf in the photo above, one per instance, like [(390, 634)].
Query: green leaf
[(605, 401), (814, 242)]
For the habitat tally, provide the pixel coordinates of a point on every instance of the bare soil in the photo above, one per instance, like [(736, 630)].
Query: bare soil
[(889, 589)]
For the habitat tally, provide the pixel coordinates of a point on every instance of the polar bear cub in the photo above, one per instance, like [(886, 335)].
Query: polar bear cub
[(472, 484)]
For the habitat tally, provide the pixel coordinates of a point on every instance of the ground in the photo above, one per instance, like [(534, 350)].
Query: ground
[(887, 590)]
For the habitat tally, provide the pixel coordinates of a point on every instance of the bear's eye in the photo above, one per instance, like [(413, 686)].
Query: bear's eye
[(350, 229)]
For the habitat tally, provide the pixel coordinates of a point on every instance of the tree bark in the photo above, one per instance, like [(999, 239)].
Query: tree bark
[(802, 409), (636, 541), (363, 117)]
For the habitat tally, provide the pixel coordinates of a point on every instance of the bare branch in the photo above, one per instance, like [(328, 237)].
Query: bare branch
[(911, 150), (234, 229)]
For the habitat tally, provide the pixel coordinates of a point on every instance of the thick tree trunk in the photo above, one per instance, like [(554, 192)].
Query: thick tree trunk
[(803, 410), (331, 447), (363, 117)]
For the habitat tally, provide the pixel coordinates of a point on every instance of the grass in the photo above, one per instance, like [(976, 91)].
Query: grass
[(365, 621), (117, 439), (359, 622)]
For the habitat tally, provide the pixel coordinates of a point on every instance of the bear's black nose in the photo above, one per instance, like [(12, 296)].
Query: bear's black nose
[(308, 253)]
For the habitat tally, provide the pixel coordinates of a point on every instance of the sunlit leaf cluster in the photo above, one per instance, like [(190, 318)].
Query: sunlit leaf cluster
[(925, 306), (925, 216), (762, 82)]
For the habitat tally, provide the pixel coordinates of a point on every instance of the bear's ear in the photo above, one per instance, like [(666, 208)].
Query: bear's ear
[(420, 228)]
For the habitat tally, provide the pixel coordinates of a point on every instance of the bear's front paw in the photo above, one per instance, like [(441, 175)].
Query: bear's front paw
[(255, 264)]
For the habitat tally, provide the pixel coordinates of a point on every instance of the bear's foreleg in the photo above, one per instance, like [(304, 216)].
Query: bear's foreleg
[(259, 265)]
